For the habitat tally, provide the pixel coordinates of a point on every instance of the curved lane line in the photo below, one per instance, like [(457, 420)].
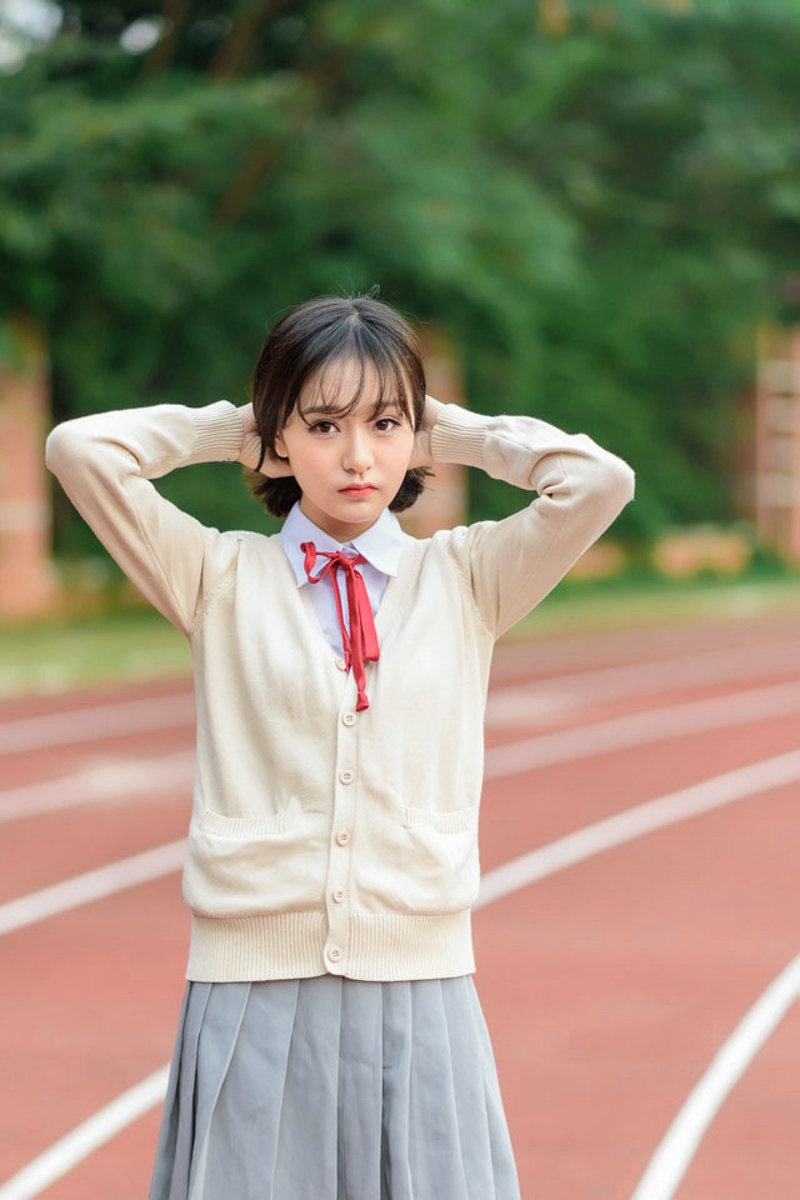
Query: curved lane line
[(672, 1158), (90, 724), (94, 885), (110, 779), (516, 703), (82, 1141), (547, 860), (655, 725), (567, 745), (636, 822)]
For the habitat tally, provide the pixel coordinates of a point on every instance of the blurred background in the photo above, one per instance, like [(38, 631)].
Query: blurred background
[(591, 208)]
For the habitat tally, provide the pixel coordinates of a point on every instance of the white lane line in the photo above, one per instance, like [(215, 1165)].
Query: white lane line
[(82, 1141), (90, 724), (535, 698), (537, 864), (94, 885), (636, 822), (547, 860), (657, 725), (672, 1158), (103, 781)]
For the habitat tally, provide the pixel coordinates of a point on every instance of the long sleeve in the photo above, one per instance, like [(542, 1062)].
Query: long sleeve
[(105, 463), (511, 565)]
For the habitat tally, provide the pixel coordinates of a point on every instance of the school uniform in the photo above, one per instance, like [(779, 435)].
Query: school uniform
[(331, 1043)]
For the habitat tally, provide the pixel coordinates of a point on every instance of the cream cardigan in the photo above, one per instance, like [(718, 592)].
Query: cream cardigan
[(322, 839)]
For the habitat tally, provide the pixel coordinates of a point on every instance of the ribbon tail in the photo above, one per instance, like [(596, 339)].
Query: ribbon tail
[(366, 621)]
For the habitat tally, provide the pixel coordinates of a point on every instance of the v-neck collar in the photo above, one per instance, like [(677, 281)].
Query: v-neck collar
[(389, 607)]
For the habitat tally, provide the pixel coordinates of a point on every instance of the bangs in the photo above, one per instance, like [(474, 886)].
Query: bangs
[(338, 388), (358, 361)]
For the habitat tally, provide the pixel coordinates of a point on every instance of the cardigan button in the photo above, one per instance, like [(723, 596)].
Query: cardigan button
[(346, 777), (334, 954), (348, 718), (338, 896), (341, 664), (343, 837)]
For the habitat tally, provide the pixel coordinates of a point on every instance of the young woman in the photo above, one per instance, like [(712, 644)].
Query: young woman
[(332, 1044)]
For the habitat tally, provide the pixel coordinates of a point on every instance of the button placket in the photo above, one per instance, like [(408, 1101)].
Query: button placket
[(338, 881)]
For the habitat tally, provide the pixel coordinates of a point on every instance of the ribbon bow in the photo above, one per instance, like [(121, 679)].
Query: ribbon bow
[(360, 642)]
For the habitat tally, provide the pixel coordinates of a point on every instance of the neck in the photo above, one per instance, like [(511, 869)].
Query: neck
[(340, 531)]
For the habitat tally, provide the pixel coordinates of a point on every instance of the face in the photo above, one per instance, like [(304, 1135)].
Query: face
[(350, 466)]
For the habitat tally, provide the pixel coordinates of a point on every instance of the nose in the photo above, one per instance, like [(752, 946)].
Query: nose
[(357, 452)]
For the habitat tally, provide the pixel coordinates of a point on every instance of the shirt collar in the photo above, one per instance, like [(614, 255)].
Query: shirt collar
[(381, 545)]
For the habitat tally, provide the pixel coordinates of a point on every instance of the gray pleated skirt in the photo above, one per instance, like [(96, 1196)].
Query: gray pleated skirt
[(333, 1089)]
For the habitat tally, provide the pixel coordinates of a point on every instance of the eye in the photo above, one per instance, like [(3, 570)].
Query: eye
[(385, 424), (322, 427)]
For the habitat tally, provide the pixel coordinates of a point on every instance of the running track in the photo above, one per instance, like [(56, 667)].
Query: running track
[(638, 940)]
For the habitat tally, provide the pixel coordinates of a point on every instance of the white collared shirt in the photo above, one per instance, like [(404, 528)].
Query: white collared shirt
[(381, 546)]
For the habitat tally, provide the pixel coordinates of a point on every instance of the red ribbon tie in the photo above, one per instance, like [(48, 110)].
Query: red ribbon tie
[(360, 641)]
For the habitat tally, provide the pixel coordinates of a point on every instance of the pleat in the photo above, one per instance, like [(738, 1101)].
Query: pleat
[(242, 1152), (468, 1089), (396, 1178), (435, 1143), (166, 1151), (307, 1138), (222, 1020), (360, 1098), (504, 1171)]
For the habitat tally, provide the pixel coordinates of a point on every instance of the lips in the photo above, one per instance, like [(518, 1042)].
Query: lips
[(358, 489)]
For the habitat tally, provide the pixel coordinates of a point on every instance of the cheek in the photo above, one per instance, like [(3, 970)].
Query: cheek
[(400, 456), (310, 459)]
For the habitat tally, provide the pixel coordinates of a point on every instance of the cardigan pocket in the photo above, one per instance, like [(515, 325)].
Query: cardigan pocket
[(422, 861), (249, 866)]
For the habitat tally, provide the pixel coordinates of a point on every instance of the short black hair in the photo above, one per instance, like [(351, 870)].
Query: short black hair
[(322, 332)]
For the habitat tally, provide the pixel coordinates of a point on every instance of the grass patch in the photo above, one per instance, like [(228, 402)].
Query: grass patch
[(645, 599), (56, 655)]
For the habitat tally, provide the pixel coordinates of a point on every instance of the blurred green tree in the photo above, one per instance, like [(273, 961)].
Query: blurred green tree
[(596, 202)]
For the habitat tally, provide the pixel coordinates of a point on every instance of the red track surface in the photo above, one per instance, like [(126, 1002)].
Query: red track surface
[(608, 986)]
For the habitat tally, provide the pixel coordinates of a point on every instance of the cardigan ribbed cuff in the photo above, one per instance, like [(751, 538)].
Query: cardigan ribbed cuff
[(459, 436), (218, 433)]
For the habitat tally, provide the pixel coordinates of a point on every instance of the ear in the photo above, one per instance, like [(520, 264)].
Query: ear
[(280, 447)]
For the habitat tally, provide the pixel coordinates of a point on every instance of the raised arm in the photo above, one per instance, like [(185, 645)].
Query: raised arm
[(511, 565), (105, 463)]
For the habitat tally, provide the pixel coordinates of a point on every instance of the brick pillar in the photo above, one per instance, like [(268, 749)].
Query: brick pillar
[(25, 577), (443, 504), (777, 442)]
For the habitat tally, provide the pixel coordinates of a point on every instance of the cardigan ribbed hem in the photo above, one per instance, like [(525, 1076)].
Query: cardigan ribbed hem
[(382, 946)]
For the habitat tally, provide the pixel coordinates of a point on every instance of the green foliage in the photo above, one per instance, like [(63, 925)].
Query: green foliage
[(596, 202)]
